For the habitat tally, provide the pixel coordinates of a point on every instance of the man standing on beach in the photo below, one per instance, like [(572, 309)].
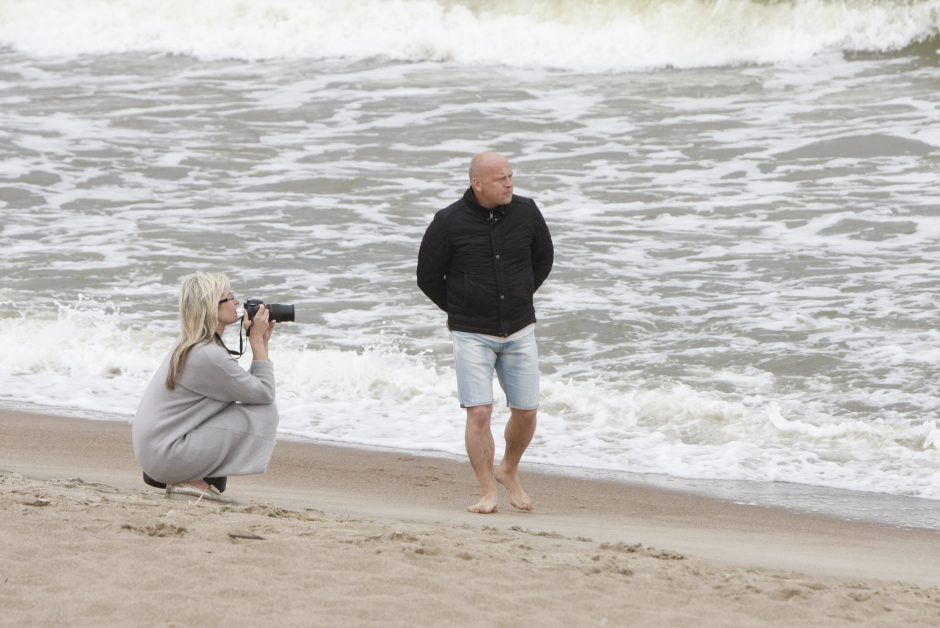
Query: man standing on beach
[(481, 260)]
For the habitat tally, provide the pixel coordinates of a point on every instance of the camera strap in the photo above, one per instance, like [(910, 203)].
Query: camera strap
[(241, 340)]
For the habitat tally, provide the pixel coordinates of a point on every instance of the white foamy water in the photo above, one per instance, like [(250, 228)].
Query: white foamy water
[(747, 255), (602, 35)]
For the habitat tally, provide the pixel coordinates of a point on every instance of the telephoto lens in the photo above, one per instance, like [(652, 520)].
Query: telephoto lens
[(276, 312), (281, 313)]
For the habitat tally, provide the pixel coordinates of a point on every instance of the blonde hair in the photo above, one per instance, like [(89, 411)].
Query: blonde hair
[(199, 317)]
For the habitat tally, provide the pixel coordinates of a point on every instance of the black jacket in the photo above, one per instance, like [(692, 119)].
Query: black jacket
[(482, 266)]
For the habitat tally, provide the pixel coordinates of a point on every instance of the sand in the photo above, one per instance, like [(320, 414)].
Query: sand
[(335, 536)]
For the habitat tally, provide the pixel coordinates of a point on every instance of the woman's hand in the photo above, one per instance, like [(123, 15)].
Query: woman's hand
[(268, 332), (259, 329)]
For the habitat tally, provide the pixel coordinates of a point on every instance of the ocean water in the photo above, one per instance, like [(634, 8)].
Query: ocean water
[(743, 197)]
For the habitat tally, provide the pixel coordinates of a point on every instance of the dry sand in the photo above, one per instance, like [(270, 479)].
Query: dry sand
[(334, 536)]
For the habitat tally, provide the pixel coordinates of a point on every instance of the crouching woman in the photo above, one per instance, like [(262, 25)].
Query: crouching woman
[(203, 417)]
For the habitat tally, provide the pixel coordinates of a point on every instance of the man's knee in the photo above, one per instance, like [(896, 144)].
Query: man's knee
[(479, 416), (524, 417)]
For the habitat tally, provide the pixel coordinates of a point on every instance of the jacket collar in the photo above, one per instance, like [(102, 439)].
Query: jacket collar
[(471, 200)]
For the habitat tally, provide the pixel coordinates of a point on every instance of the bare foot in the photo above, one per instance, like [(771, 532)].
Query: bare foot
[(517, 496), (485, 506)]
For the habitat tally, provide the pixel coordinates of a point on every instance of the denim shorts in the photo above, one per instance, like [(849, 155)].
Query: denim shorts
[(516, 363)]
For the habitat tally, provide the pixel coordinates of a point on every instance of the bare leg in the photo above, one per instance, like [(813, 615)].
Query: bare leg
[(519, 432), (481, 450)]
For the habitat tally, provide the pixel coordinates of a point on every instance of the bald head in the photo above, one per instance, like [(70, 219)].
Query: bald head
[(491, 179), (482, 161)]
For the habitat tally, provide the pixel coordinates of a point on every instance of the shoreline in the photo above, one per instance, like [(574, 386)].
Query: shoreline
[(902, 511), (321, 506), (893, 510)]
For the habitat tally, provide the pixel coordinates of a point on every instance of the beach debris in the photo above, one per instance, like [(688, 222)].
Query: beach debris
[(623, 547), (248, 536), (159, 530), (550, 535)]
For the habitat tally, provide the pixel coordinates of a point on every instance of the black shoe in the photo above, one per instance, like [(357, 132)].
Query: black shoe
[(151, 482), (219, 483)]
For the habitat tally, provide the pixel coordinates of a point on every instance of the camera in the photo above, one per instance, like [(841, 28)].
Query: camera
[(276, 312)]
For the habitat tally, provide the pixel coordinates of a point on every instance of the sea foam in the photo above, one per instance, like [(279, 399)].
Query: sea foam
[(605, 35), (93, 360)]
